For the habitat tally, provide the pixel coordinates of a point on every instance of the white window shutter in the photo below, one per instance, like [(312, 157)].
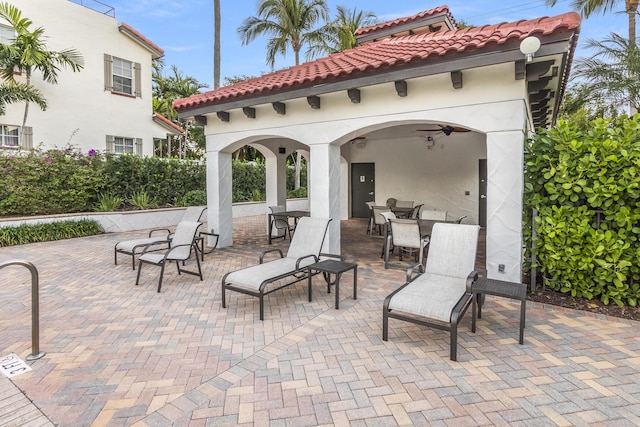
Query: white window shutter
[(27, 138), (138, 80), (108, 73), (138, 146), (110, 144)]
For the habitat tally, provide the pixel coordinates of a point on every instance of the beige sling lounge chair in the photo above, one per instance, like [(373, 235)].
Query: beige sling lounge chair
[(305, 249), (440, 296)]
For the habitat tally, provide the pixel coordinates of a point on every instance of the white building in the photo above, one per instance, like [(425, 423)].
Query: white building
[(107, 106), (420, 110)]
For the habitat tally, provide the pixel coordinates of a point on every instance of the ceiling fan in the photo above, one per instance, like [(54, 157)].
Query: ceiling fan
[(446, 129)]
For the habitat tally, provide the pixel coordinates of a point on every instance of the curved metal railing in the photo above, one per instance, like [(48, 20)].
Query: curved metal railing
[(35, 311)]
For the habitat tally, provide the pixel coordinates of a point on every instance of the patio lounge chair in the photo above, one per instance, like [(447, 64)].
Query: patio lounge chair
[(305, 249), (441, 295), (180, 247), (157, 236)]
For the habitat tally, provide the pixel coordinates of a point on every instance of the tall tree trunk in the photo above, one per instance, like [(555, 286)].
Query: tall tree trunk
[(216, 44), (26, 108)]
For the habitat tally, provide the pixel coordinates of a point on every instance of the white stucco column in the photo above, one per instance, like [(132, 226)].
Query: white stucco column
[(324, 183), (276, 179), (505, 182), (219, 197)]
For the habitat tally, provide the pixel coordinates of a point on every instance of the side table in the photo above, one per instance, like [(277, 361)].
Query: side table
[(511, 290), (330, 267)]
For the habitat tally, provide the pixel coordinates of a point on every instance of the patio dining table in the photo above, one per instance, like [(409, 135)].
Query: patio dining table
[(285, 215), (402, 212)]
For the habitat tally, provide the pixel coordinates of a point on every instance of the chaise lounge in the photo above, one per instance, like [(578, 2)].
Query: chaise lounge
[(305, 249)]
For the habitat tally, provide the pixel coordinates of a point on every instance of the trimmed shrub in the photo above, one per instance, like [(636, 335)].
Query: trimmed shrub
[(586, 189), (46, 232)]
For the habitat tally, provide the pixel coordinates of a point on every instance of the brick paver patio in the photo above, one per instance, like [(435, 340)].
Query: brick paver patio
[(121, 355)]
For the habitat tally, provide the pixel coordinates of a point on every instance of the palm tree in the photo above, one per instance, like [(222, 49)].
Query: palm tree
[(288, 23), (588, 7), (28, 52), (611, 72), (11, 92), (216, 44), (339, 34)]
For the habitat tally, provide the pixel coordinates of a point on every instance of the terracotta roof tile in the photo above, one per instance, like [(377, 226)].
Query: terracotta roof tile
[(133, 33), (387, 53), (406, 20), (160, 119)]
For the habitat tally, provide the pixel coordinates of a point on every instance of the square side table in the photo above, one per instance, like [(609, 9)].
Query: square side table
[(511, 290), (330, 267)]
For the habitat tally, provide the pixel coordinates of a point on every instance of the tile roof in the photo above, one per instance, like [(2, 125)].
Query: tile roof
[(127, 29), (441, 10), (385, 54), (162, 120)]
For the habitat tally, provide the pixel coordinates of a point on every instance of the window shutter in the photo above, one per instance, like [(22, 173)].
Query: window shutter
[(138, 80), (108, 73), (138, 146), (27, 138), (110, 144)]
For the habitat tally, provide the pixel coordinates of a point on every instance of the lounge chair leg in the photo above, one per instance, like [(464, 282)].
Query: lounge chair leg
[(385, 325), (161, 274), (199, 269), (138, 275), (261, 307), (224, 301), (133, 260), (454, 342)]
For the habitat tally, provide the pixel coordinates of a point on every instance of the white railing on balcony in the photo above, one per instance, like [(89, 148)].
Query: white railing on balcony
[(98, 6)]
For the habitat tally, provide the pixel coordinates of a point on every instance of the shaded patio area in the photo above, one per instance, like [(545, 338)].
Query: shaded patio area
[(120, 355)]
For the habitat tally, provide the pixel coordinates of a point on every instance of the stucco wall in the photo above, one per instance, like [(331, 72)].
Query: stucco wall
[(79, 111)]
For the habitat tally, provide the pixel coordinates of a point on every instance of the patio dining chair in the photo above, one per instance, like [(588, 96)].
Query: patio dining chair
[(404, 204), (305, 249), (180, 247), (378, 220), (157, 236), (405, 235), (440, 296), (280, 226), (370, 205), (433, 214), (416, 211)]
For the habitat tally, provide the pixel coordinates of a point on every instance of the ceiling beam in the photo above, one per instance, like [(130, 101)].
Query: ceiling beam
[(520, 69), (401, 87), (280, 107), (223, 115), (354, 95), (314, 101), (250, 112), (456, 79), (535, 70), (201, 120)]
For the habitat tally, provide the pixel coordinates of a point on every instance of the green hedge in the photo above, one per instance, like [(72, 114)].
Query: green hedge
[(25, 233), (586, 189), (43, 182)]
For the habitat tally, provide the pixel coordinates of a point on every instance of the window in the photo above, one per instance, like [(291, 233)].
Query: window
[(122, 76), (7, 34), (9, 136), (123, 145)]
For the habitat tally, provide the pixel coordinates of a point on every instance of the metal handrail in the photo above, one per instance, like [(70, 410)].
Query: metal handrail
[(35, 312)]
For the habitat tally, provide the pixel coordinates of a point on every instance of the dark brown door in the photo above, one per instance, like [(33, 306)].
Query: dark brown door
[(363, 188), (482, 192)]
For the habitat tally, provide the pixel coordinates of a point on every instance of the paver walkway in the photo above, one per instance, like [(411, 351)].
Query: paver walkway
[(121, 355)]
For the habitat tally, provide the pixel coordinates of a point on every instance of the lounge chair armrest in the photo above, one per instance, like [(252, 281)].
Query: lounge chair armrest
[(315, 258), (340, 257), (210, 234), (146, 247), (474, 276), (158, 230), (269, 251), (417, 268)]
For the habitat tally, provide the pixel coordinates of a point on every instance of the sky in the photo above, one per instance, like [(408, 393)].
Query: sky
[(184, 29)]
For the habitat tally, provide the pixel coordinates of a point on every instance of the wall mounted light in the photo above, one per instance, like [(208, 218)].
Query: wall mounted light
[(282, 150), (529, 47)]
